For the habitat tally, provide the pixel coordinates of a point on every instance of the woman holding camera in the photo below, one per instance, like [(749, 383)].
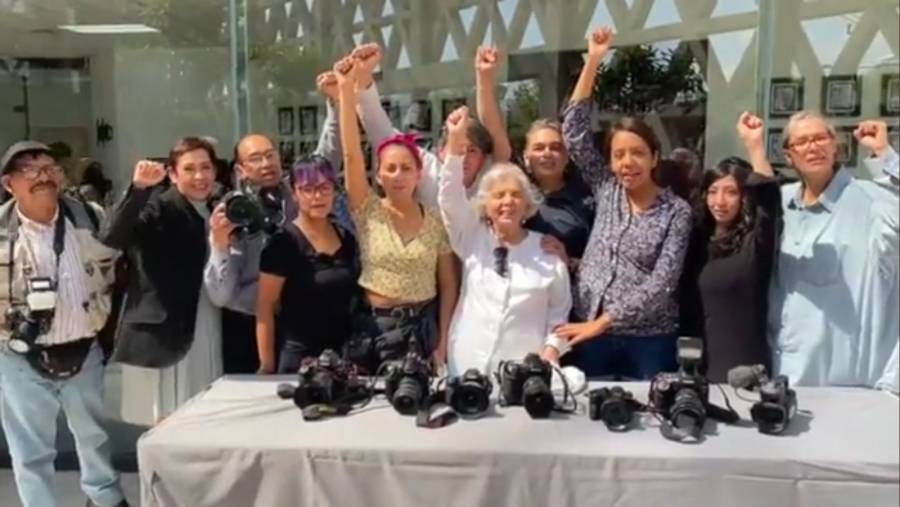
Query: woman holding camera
[(513, 293), (309, 270), (169, 333), (629, 274), (407, 264)]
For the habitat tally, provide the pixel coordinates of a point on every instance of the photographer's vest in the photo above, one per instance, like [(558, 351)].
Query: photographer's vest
[(97, 260)]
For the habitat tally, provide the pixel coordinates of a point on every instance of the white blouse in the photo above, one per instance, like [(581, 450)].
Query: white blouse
[(499, 318)]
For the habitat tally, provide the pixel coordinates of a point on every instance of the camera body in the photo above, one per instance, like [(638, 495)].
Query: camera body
[(776, 407), (614, 406), (27, 322), (469, 394), (326, 380), (527, 383), (407, 383), (682, 398), (244, 209)]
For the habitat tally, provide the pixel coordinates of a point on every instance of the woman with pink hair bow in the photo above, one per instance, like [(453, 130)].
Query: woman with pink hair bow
[(408, 271)]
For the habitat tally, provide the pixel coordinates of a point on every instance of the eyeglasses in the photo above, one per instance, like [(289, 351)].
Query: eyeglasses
[(31, 172), (322, 188), (807, 142), (261, 158), (501, 264)]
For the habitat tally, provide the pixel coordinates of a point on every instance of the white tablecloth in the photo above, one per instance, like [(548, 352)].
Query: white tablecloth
[(237, 444)]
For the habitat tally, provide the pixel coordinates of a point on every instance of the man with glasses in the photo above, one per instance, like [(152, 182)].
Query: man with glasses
[(54, 297), (232, 273), (833, 297)]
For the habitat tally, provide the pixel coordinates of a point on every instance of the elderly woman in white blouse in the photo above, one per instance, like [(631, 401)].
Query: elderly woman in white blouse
[(513, 293)]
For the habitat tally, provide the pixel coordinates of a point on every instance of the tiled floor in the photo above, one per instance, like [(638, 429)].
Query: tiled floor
[(124, 437)]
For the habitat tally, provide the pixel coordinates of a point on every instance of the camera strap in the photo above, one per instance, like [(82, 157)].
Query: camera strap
[(424, 417), (59, 244)]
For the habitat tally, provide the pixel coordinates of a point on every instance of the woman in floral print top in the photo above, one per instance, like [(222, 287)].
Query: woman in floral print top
[(625, 294)]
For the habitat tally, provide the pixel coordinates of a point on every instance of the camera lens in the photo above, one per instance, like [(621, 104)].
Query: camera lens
[(242, 211), (688, 411), (407, 397), (537, 398), (616, 414), (469, 400)]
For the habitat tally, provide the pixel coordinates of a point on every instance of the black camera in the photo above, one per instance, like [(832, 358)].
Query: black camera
[(26, 323), (777, 403), (614, 406), (469, 395), (407, 383), (252, 209), (683, 398), (328, 380), (527, 383)]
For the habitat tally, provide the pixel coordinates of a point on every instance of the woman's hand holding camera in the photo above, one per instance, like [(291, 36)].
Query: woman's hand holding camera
[(220, 228), (147, 174)]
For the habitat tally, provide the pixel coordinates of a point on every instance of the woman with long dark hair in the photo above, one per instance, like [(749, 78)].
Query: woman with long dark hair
[(725, 290), (625, 294)]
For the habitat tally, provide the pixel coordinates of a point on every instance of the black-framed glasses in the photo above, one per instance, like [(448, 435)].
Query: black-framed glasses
[(501, 264)]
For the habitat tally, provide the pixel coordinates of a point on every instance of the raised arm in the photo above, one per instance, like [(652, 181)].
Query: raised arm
[(132, 215), (219, 274), (577, 115), (355, 180), (458, 214), (374, 119), (486, 62), (885, 238), (750, 129), (329, 145)]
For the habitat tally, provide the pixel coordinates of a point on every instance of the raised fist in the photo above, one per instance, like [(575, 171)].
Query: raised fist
[(750, 129), (147, 174), (599, 42)]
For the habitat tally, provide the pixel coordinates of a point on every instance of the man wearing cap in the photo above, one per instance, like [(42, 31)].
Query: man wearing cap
[(55, 280)]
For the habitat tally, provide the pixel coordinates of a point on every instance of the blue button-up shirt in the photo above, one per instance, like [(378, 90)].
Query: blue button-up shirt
[(833, 314)]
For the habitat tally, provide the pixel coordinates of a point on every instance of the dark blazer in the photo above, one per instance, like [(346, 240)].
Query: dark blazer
[(165, 240)]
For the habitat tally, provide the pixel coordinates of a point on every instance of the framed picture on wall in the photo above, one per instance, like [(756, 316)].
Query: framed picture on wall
[(890, 95), (841, 95), (785, 97), (309, 119), (418, 116), (286, 151), (894, 137), (774, 148), (847, 146), (450, 105), (306, 148), (285, 121)]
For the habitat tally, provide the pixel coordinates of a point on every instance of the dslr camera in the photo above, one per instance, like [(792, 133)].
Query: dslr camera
[(27, 322), (682, 398), (527, 383), (329, 380), (246, 207), (777, 403), (407, 383), (469, 394), (614, 406)]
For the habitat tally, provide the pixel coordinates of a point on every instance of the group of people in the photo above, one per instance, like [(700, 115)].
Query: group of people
[(585, 254)]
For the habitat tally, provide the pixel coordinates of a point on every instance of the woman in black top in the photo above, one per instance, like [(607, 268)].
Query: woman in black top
[(567, 212), (730, 258), (309, 269)]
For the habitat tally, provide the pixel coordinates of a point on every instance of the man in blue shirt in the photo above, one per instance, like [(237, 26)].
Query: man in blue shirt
[(833, 300)]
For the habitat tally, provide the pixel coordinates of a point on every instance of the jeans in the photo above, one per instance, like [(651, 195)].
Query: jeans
[(29, 407), (627, 357)]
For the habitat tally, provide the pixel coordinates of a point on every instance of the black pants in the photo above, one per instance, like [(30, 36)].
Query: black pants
[(239, 351), (387, 334)]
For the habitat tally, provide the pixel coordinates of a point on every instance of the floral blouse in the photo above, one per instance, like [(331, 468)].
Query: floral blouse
[(632, 264)]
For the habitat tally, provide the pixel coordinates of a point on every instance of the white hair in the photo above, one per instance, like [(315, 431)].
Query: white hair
[(503, 171), (799, 116)]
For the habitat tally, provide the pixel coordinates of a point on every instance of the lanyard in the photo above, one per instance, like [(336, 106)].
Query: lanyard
[(59, 238)]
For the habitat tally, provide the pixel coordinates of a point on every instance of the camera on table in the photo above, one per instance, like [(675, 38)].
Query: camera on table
[(27, 322), (614, 406), (527, 383), (682, 398), (777, 403), (329, 381), (469, 394), (407, 383)]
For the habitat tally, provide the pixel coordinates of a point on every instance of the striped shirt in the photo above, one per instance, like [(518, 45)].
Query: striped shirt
[(70, 321)]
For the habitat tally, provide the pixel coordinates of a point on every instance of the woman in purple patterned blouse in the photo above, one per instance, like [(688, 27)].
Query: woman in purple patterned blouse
[(626, 287)]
